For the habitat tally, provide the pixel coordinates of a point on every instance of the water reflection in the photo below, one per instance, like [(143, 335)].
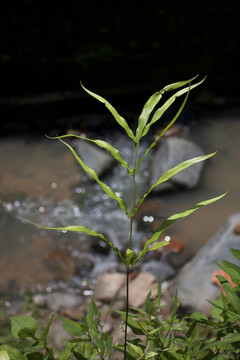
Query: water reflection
[(40, 180)]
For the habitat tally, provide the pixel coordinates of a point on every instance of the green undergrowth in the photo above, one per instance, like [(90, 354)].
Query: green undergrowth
[(153, 336)]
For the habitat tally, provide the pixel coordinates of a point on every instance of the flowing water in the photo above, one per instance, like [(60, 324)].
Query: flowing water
[(40, 180)]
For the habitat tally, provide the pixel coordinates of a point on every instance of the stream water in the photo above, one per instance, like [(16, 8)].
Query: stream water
[(41, 181)]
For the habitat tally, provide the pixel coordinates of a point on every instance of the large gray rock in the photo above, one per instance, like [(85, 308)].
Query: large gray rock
[(160, 269), (194, 281), (172, 152), (93, 156)]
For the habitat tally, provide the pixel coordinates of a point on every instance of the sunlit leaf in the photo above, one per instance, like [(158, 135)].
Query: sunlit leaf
[(80, 228), (171, 172), (163, 132), (23, 326), (4, 355), (107, 189), (153, 101), (159, 112), (121, 121), (103, 144), (170, 221)]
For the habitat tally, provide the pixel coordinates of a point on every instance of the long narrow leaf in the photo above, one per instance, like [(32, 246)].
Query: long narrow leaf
[(171, 172), (121, 121), (147, 109), (158, 113), (178, 84), (80, 228), (231, 293), (170, 221), (103, 144), (164, 131), (152, 102), (107, 189)]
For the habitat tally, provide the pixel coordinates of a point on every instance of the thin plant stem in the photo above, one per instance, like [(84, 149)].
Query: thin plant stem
[(129, 246)]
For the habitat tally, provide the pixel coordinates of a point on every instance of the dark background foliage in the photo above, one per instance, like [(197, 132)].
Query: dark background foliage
[(123, 46)]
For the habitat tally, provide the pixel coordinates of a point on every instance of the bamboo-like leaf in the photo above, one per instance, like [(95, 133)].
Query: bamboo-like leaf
[(159, 112), (170, 221), (45, 332), (178, 84), (231, 293), (158, 245), (121, 121), (147, 109), (236, 253), (80, 228), (107, 189), (171, 172), (103, 144), (164, 130), (153, 101)]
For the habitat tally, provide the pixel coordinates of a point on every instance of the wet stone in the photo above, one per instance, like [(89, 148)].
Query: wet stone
[(108, 286), (100, 246), (237, 229), (160, 269)]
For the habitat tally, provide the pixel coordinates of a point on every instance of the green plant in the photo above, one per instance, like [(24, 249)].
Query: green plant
[(148, 117), (156, 337)]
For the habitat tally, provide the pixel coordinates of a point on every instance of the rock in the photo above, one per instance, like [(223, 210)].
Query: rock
[(237, 229), (57, 301), (108, 286), (194, 281), (61, 264), (39, 299), (174, 130), (100, 246), (139, 288), (159, 269), (172, 152), (95, 158), (85, 265)]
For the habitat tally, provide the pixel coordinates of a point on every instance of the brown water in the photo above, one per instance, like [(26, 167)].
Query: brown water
[(41, 181)]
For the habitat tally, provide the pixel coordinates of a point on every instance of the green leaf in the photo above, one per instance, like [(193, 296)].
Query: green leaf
[(80, 228), (43, 337), (229, 339), (170, 221), (147, 109), (158, 245), (231, 269), (92, 311), (171, 172), (72, 327), (163, 132), (158, 113), (109, 191), (151, 355), (23, 326), (192, 331), (67, 352), (12, 352), (231, 293), (236, 253), (103, 144), (4, 355), (136, 349), (129, 257), (152, 102), (121, 121)]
